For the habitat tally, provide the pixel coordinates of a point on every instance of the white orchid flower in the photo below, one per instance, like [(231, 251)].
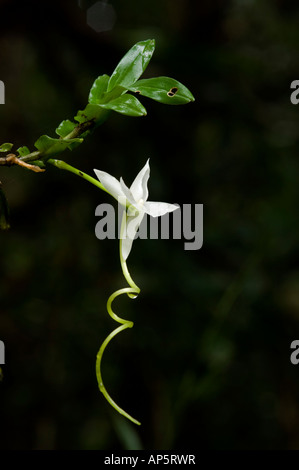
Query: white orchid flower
[(136, 200)]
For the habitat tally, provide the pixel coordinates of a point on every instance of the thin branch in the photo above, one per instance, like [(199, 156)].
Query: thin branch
[(12, 159), (37, 155)]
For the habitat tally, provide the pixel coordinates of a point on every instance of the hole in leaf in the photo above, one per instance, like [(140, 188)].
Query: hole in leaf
[(172, 91)]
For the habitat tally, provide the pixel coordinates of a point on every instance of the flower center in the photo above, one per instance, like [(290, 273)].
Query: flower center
[(134, 210)]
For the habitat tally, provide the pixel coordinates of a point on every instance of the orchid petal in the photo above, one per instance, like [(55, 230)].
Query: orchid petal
[(127, 192), (126, 247), (157, 209), (139, 186), (110, 184), (132, 225)]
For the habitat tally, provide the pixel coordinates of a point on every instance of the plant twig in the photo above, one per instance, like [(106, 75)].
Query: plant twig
[(12, 159)]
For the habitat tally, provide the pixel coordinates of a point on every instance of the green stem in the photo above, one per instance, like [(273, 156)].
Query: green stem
[(80, 129), (125, 324), (65, 166), (132, 292)]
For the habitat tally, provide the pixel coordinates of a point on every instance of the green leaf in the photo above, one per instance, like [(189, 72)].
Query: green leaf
[(65, 128), (23, 151), (126, 104), (98, 89), (132, 65), (163, 89), (6, 147), (50, 147)]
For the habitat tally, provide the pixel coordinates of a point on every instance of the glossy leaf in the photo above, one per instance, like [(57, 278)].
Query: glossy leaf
[(23, 151), (113, 94), (163, 89), (132, 65), (65, 128), (6, 147), (126, 104), (50, 147), (98, 89)]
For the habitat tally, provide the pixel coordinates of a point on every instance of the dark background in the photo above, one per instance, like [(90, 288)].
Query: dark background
[(207, 364)]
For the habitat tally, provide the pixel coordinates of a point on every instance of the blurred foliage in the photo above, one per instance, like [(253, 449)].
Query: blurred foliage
[(206, 365)]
